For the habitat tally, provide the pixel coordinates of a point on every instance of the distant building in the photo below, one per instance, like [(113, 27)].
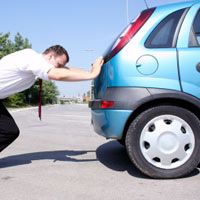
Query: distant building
[(86, 97)]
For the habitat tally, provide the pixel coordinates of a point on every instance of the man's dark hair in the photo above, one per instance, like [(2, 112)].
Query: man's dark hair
[(58, 50)]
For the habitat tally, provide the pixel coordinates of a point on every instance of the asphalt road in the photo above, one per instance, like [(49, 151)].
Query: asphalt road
[(61, 157)]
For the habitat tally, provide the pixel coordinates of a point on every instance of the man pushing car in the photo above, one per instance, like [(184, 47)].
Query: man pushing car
[(19, 71)]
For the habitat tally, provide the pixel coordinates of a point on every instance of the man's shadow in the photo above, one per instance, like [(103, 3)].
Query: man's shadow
[(111, 154), (63, 155)]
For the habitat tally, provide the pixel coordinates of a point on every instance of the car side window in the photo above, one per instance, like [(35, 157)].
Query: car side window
[(163, 35), (194, 40)]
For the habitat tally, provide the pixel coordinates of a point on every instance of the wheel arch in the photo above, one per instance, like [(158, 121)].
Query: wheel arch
[(182, 100)]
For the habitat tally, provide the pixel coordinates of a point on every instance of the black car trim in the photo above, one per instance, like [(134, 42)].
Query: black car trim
[(178, 68), (128, 98), (178, 28)]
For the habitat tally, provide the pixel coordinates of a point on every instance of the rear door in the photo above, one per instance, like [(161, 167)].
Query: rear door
[(188, 47)]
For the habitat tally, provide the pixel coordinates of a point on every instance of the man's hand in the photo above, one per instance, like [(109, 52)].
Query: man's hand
[(96, 67)]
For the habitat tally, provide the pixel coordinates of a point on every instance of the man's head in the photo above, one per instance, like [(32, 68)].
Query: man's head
[(56, 55)]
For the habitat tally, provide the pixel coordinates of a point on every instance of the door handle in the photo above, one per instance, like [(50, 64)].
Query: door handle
[(198, 67)]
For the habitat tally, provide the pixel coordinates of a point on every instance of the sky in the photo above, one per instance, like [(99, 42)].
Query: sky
[(85, 28)]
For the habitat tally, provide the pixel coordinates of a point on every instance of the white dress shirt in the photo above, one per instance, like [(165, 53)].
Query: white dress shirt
[(19, 71)]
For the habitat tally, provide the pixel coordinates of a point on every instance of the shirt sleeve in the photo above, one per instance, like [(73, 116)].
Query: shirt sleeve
[(37, 64)]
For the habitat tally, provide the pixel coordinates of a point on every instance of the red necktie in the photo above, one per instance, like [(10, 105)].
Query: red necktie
[(40, 99)]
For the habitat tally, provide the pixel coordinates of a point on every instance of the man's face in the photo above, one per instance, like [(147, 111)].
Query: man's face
[(58, 61)]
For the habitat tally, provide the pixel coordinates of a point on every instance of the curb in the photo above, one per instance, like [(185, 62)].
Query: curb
[(13, 110)]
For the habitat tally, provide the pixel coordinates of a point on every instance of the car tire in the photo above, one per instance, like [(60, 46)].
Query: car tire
[(164, 142)]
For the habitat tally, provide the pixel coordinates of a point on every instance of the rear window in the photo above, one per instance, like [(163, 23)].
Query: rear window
[(164, 34), (194, 40)]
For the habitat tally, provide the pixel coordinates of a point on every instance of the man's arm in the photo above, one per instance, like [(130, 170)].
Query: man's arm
[(74, 74)]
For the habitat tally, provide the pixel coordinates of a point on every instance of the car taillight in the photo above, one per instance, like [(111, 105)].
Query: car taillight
[(107, 104), (129, 32)]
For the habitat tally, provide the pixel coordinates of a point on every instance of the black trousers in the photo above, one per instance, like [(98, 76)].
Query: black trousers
[(8, 128)]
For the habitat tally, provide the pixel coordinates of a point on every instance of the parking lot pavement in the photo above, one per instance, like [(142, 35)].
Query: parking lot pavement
[(62, 158)]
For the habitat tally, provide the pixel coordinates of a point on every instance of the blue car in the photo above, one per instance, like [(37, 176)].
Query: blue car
[(148, 93)]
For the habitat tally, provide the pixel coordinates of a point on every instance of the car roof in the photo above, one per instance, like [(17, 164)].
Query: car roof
[(179, 5)]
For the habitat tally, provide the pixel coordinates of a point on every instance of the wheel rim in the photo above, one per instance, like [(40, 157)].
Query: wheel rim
[(167, 141)]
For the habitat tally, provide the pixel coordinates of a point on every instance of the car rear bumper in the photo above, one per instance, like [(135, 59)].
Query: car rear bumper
[(110, 123)]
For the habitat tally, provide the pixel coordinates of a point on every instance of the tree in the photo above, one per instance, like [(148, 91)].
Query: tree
[(15, 101), (21, 43), (6, 46), (50, 92)]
